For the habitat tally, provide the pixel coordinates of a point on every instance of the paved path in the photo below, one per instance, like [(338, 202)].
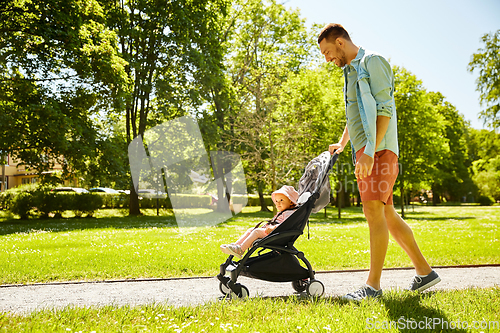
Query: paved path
[(194, 291)]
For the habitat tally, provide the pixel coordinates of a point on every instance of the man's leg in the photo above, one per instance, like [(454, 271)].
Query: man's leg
[(403, 235), (379, 239)]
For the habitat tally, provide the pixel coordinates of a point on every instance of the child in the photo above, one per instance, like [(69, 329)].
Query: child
[(285, 200)]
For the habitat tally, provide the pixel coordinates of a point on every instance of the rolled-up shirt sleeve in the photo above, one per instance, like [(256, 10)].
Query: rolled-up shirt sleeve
[(381, 85)]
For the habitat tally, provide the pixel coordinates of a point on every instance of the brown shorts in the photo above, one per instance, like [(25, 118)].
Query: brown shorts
[(379, 185)]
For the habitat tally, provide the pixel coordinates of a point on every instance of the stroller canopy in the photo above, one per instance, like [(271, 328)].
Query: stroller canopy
[(315, 180)]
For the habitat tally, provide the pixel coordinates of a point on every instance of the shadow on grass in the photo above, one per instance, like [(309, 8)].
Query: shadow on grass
[(442, 218), (74, 223), (336, 221), (407, 313)]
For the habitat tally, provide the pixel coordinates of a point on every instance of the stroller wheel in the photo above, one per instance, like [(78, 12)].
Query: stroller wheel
[(315, 288), (299, 285), (225, 290), (242, 294)]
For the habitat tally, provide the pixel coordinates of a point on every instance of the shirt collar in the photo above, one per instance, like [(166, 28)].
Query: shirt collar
[(361, 53)]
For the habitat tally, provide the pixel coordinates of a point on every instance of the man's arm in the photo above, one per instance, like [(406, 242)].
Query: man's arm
[(381, 79), (382, 126), (339, 147), (364, 165)]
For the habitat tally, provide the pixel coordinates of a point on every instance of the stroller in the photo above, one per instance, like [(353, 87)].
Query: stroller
[(276, 258)]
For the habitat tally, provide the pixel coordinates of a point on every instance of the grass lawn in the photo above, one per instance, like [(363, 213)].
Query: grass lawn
[(449, 311), (115, 246)]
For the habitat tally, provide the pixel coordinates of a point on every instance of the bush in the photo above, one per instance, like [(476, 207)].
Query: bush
[(26, 201), (47, 202), (112, 200), (22, 204), (191, 201), (195, 201), (7, 197), (253, 200), (86, 203), (485, 201)]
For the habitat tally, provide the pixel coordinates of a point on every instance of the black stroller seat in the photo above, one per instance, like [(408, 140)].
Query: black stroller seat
[(274, 258)]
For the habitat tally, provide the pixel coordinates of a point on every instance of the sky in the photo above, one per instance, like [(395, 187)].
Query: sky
[(433, 39)]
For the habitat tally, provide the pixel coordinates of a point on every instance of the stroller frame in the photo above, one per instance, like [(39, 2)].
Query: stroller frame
[(280, 243)]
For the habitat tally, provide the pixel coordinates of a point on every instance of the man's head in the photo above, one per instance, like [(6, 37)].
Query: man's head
[(334, 41), (332, 31)]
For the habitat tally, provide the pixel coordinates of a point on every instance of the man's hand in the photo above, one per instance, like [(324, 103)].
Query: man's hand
[(364, 166), (336, 146)]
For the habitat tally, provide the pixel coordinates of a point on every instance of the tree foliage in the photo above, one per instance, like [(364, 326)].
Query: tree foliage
[(484, 148), (422, 144), (173, 55), (487, 61), (452, 180), (57, 59), (81, 79), (268, 43)]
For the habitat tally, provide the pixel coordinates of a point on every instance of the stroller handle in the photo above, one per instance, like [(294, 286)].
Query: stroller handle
[(333, 160), (331, 163)]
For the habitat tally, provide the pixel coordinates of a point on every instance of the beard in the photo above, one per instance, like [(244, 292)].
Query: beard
[(341, 57)]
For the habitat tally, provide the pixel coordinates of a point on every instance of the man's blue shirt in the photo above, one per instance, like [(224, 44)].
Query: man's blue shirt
[(368, 93)]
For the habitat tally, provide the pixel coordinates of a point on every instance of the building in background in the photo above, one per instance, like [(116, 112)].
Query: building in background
[(13, 173)]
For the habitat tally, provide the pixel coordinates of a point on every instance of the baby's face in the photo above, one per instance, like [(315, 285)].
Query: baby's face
[(282, 202)]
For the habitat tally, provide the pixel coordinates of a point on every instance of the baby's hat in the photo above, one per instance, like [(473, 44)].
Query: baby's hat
[(289, 191)]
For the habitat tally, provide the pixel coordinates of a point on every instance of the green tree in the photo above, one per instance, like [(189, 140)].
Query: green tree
[(487, 61), (422, 143), (487, 177), (268, 44), (453, 179), (483, 144), (173, 54), (56, 60), (484, 147), (311, 109)]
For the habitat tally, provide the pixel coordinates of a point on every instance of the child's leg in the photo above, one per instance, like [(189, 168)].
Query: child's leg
[(245, 235), (254, 235)]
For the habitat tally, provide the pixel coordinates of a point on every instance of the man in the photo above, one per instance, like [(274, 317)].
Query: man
[(372, 129)]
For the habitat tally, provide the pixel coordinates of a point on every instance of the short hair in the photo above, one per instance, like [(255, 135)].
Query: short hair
[(332, 31)]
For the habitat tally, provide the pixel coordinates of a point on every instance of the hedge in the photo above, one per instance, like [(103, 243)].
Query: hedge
[(40, 201)]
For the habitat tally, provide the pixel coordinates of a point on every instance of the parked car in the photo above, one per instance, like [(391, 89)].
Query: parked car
[(150, 193), (103, 189), (70, 189)]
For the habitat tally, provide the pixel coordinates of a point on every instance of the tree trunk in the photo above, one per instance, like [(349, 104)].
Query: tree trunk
[(435, 197), (347, 199), (4, 188), (133, 208), (273, 166), (263, 206), (340, 199)]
